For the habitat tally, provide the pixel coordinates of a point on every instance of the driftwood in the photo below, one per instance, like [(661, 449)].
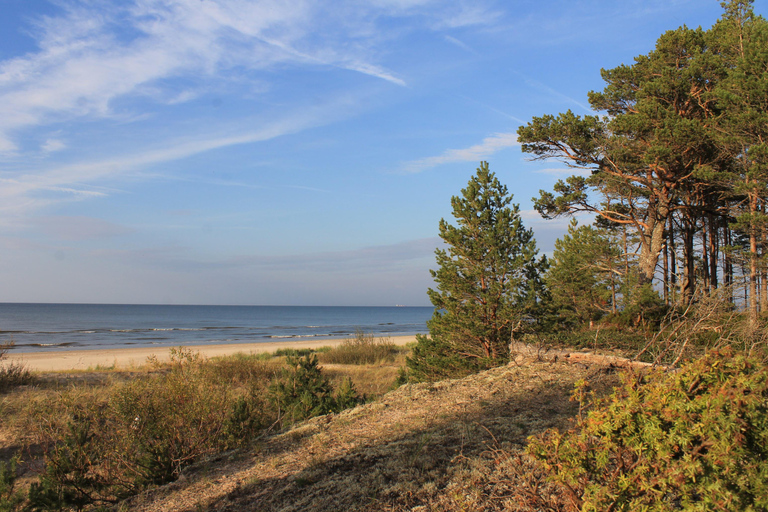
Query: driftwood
[(523, 352)]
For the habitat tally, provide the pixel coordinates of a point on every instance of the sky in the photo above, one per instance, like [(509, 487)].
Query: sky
[(280, 152)]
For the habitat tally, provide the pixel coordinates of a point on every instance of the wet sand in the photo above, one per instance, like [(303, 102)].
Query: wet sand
[(136, 357)]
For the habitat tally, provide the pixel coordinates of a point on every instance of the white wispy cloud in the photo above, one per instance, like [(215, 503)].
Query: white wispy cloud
[(51, 145), (487, 147), (492, 109), (461, 44), (32, 191), (83, 64), (95, 61), (465, 14), (535, 84)]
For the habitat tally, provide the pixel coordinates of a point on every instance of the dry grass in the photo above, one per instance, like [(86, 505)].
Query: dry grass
[(362, 349), (12, 374), (33, 415)]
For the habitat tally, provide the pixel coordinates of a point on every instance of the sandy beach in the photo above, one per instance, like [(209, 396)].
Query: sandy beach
[(135, 357)]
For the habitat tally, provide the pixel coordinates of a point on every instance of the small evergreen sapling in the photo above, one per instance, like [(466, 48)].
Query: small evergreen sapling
[(488, 283)]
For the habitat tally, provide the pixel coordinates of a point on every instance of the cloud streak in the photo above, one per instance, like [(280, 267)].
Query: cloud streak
[(130, 62), (29, 192), (97, 53), (366, 260), (487, 147)]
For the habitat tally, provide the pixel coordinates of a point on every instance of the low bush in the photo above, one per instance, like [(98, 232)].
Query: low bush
[(433, 359), (293, 352), (12, 374), (695, 439), (11, 498), (303, 391), (244, 369), (363, 348)]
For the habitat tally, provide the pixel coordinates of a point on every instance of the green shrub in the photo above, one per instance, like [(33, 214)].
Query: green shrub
[(103, 445), (172, 420), (696, 439), (362, 349), (433, 359), (244, 369), (304, 392), (293, 352), (644, 309), (82, 469), (346, 396), (10, 497)]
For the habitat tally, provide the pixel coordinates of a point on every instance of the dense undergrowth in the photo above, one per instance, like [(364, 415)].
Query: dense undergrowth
[(695, 439)]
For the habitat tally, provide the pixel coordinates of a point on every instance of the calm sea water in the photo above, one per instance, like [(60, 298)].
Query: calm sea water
[(47, 327)]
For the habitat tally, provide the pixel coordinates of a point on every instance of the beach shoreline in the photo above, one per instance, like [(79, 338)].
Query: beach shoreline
[(127, 358)]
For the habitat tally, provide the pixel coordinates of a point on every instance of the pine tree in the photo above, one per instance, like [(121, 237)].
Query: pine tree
[(741, 39), (642, 155), (487, 283), (584, 275)]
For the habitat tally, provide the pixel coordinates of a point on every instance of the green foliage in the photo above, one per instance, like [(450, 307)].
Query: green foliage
[(361, 349), (696, 439), (243, 369), (643, 308), (294, 352), (77, 471), (172, 420), (640, 156), (583, 278), (434, 359), (10, 497), (488, 281), (346, 396), (304, 392), (605, 339)]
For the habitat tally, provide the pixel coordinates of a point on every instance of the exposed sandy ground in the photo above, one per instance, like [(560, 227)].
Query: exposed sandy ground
[(134, 357), (452, 445)]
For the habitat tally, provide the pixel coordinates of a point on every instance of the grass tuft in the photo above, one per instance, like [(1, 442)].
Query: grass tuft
[(12, 374), (364, 348)]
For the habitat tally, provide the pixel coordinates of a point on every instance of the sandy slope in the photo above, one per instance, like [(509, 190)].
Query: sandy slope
[(445, 446)]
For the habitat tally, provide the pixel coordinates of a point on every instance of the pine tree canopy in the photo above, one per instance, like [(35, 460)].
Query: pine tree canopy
[(487, 279)]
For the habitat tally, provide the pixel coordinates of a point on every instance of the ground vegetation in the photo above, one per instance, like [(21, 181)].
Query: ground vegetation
[(91, 439)]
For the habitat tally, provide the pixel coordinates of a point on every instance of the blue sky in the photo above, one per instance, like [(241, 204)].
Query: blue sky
[(279, 152)]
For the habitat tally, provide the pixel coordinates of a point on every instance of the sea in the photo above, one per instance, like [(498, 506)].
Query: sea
[(59, 327)]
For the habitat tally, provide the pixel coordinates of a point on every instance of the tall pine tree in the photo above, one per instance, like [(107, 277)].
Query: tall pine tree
[(487, 283)]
